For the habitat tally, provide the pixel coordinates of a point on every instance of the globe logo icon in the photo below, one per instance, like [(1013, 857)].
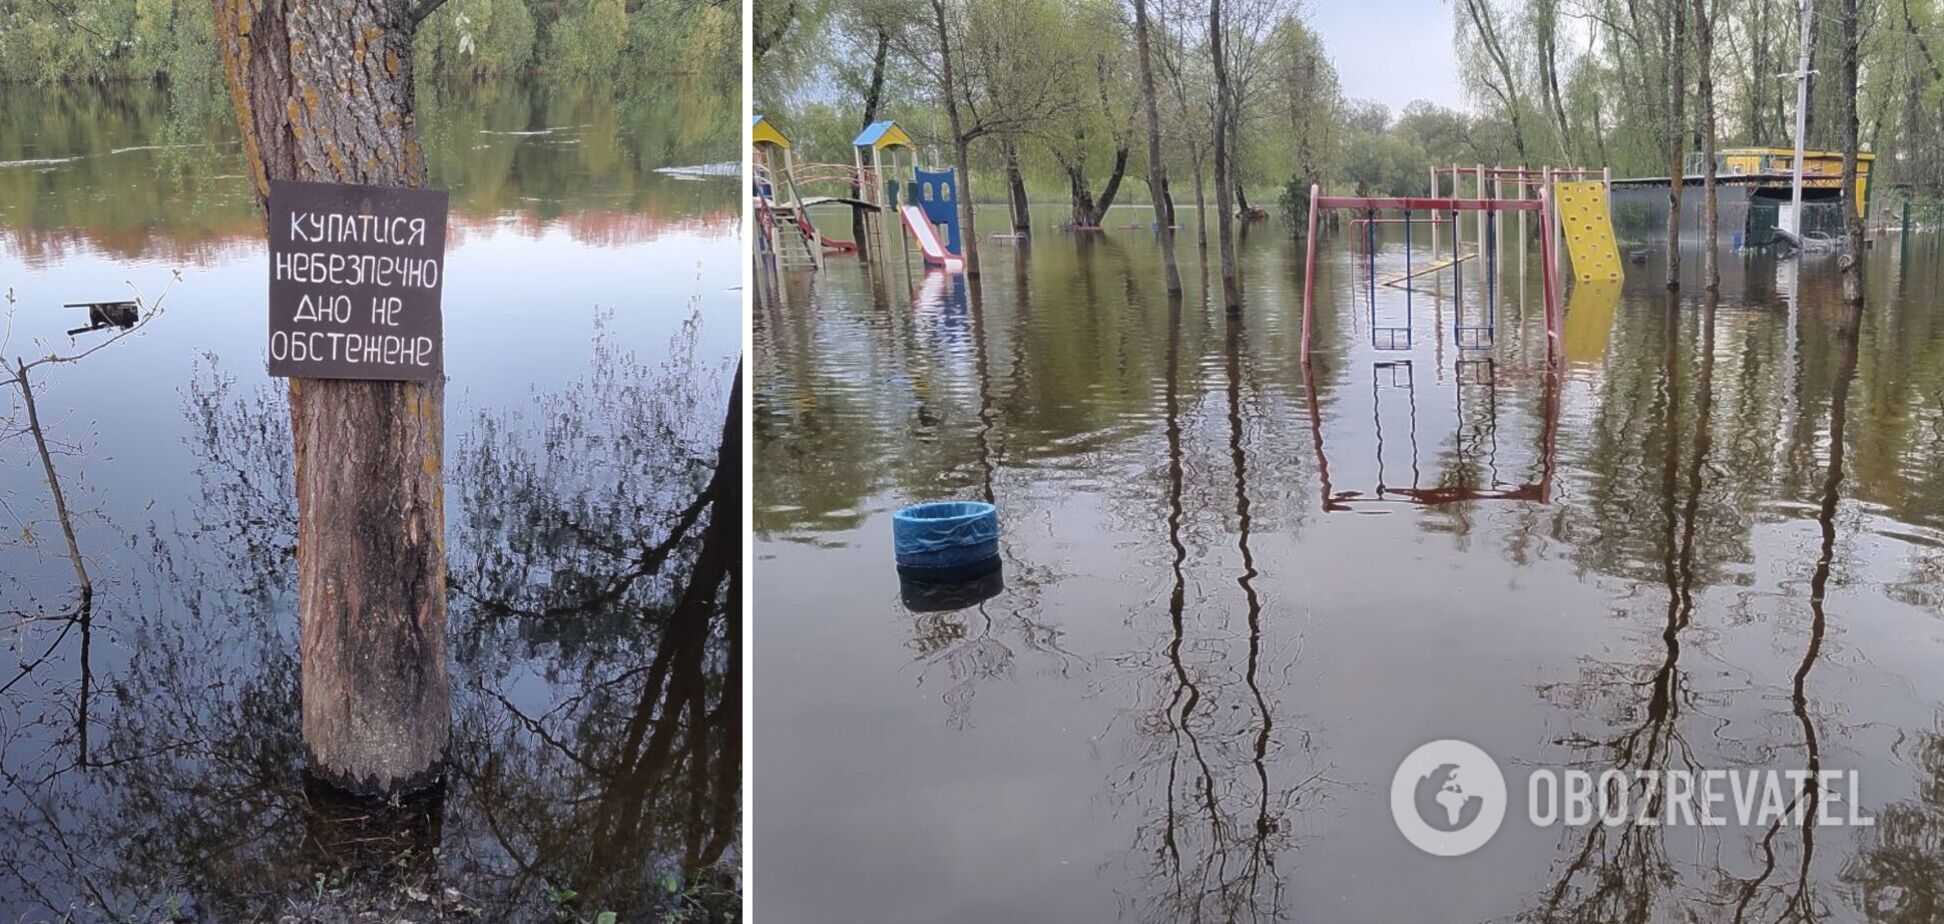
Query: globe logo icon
[(1442, 801), (1448, 798)]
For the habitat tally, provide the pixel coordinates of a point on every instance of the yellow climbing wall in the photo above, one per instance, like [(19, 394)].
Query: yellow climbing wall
[(1586, 221)]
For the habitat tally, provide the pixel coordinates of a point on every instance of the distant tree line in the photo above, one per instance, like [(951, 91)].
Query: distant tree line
[(1053, 94), (172, 41)]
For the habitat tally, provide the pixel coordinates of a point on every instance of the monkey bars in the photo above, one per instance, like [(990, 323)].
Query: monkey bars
[(1371, 205)]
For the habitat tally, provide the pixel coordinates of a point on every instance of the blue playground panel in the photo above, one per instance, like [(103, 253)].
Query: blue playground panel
[(936, 193)]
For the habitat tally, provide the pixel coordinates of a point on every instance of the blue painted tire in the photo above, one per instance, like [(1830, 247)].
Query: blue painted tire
[(945, 536)]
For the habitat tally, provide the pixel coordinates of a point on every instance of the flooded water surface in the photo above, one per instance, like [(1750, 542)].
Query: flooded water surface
[(1236, 592), (150, 741)]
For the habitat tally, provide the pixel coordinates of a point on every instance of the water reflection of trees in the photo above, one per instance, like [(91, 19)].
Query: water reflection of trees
[(1626, 872), (1205, 760), (126, 182), (596, 742)]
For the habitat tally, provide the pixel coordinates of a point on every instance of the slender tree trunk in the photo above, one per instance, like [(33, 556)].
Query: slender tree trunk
[(1758, 84), (82, 583), (1677, 133), (1201, 204), (1112, 189), (1481, 16), (1851, 203), (323, 92), (1224, 211), (961, 141), (1547, 12), (1235, 153), (873, 97), (1704, 70), (1022, 209), (1157, 167)]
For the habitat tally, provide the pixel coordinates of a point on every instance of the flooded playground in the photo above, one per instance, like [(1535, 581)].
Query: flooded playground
[(1236, 591), (151, 755)]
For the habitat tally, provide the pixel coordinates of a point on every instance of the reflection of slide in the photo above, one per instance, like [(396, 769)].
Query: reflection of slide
[(921, 228)]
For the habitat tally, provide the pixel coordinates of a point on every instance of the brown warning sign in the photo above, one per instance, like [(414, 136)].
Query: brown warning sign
[(355, 278)]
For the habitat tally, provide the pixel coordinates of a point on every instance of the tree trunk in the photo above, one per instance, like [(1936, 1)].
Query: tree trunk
[(1851, 204), (1481, 17), (873, 97), (323, 92), (1157, 167), (1224, 212), (1112, 189), (1235, 153), (1677, 132), (1089, 212), (1022, 217), (1079, 196), (1547, 12), (1201, 204), (961, 144), (1704, 70)]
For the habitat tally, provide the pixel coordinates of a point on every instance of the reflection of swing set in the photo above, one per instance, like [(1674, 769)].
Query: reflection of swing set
[(1476, 333), (1476, 442)]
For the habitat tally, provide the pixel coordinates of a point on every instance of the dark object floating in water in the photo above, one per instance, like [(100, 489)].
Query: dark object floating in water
[(932, 597), (1638, 256), (103, 315), (946, 541)]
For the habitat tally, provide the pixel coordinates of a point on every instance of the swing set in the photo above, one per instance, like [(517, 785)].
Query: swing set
[(1481, 332)]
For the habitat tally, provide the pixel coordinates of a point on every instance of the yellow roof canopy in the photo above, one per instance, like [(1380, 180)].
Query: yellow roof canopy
[(763, 131)]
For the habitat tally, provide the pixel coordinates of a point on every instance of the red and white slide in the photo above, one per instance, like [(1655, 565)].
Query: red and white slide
[(934, 250)]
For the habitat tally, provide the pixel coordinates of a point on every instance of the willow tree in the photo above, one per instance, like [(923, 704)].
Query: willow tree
[(1224, 211), (1157, 167), (323, 93), (962, 135)]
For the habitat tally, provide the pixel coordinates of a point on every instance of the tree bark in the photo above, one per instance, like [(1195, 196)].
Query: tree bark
[(1079, 195), (1677, 119), (1201, 205), (1224, 212), (323, 93), (873, 97), (1022, 208), (1547, 12), (1089, 212), (961, 144), (1157, 172), (1704, 71), (1851, 204)]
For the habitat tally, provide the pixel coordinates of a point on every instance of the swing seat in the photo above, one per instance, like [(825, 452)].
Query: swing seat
[(1390, 338)]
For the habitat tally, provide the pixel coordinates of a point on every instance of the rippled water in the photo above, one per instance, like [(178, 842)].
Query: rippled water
[(150, 745), (1236, 594)]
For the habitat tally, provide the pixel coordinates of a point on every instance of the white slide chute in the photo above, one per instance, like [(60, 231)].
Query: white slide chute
[(928, 242)]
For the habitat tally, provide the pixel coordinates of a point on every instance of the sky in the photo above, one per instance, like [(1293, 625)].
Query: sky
[(1391, 51)]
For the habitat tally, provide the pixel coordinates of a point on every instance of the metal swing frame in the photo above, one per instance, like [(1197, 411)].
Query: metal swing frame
[(1371, 205)]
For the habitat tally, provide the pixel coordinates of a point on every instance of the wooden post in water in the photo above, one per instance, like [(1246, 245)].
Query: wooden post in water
[(323, 93), (1434, 214)]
